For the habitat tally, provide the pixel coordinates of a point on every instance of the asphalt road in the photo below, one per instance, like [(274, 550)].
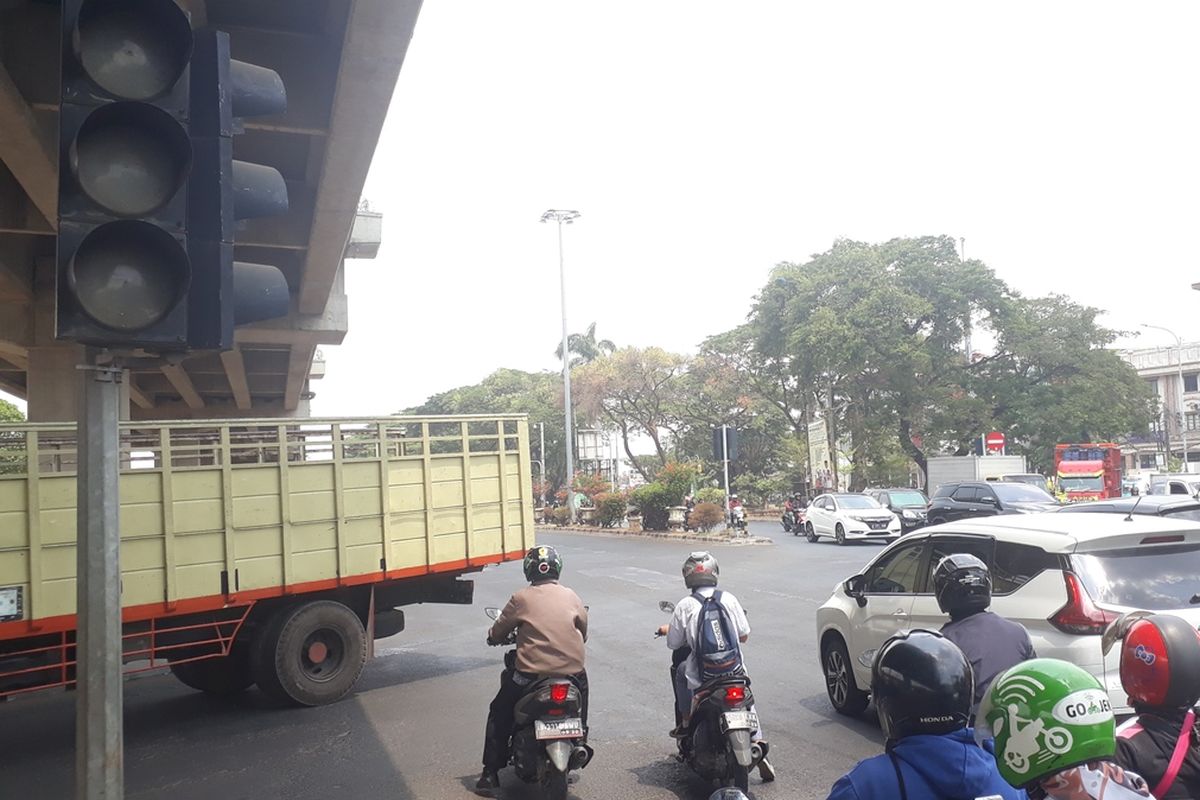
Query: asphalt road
[(413, 728)]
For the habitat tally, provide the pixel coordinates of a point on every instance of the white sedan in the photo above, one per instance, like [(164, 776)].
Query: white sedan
[(849, 516)]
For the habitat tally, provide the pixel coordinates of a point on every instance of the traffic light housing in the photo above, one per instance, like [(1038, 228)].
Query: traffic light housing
[(730, 448), (124, 162), (225, 292), (149, 192)]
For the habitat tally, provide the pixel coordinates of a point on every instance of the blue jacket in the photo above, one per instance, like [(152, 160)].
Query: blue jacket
[(949, 767)]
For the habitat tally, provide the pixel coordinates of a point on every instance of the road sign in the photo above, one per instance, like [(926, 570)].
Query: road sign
[(994, 442)]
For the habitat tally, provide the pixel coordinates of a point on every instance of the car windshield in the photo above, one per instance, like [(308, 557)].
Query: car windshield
[(856, 501), (1021, 493), (907, 499), (1081, 483), (1155, 579)]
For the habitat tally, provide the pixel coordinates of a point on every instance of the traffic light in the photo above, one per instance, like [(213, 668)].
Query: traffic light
[(148, 188), (225, 292), (728, 449), (124, 161)]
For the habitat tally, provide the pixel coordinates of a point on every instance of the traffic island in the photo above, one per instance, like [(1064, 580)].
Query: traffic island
[(716, 537)]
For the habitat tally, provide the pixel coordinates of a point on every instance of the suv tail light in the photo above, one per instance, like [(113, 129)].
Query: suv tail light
[(734, 695), (1080, 615)]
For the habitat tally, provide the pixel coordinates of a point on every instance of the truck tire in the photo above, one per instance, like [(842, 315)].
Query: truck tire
[(221, 677), (311, 654)]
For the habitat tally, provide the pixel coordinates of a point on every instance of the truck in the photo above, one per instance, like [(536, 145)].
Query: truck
[(1089, 471), (1186, 483), (948, 469), (267, 552)]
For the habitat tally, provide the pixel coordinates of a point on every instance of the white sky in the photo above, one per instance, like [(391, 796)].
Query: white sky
[(704, 142)]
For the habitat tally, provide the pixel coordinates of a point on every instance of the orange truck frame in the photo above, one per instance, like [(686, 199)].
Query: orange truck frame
[(268, 552), (1088, 471)]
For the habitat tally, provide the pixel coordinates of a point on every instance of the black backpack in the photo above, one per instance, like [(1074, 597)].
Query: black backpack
[(718, 654)]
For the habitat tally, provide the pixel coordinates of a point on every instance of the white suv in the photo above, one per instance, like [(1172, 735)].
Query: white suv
[(1065, 577), (847, 516)]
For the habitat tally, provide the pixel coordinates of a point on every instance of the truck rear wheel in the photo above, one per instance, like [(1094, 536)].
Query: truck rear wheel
[(311, 654), (222, 677)]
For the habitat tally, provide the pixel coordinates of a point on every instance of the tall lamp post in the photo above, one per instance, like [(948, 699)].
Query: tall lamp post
[(565, 217), (1179, 378)]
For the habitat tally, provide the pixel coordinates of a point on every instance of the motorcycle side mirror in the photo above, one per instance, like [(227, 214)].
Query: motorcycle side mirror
[(492, 612), (666, 606), (856, 587)]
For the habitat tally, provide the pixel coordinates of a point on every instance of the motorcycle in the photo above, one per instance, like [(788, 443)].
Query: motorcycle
[(737, 516), (716, 744), (547, 740), (793, 522)]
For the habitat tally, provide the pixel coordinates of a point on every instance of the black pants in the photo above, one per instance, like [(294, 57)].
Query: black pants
[(499, 731)]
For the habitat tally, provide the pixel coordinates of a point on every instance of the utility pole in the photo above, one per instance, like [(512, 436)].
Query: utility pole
[(565, 217), (962, 256), (725, 463), (99, 701)]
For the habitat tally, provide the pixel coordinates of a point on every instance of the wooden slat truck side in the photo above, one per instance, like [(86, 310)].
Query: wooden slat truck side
[(260, 551)]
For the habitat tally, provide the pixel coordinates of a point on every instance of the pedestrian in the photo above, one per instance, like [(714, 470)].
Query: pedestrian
[(962, 585), (1055, 734), (1160, 672), (701, 574), (551, 627), (923, 687)]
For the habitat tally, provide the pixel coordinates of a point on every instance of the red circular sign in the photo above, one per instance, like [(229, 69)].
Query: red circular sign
[(994, 441)]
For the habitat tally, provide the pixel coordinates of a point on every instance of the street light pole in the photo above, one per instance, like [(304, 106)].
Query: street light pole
[(565, 217), (1179, 378)]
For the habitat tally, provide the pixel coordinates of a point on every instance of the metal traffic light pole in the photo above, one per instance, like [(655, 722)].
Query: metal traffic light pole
[(99, 730)]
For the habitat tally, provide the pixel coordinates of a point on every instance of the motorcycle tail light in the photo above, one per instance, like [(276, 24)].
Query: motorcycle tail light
[(558, 693), (735, 695)]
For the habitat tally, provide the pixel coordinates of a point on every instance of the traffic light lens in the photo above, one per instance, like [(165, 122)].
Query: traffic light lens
[(128, 275), (133, 49), (130, 158)]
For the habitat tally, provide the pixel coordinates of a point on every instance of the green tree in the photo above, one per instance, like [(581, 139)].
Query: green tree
[(10, 413), (585, 347)]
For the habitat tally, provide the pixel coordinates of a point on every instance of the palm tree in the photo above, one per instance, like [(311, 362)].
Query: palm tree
[(585, 348)]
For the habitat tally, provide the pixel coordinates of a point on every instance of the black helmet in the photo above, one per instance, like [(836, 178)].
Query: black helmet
[(542, 563), (922, 684), (962, 584), (700, 569)]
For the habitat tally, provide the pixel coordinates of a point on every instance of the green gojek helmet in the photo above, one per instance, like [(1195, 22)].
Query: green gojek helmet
[(1046, 716)]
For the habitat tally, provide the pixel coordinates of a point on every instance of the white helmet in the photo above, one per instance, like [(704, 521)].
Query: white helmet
[(700, 569)]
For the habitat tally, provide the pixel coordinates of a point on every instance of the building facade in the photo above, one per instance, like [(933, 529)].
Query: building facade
[(1176, 429)]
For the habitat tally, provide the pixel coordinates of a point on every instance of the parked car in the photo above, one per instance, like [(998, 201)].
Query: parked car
[(954, 501), (1186, 484), (1064, 577), (908, 504), (1158, 505), (1031, 478), (849, 516)]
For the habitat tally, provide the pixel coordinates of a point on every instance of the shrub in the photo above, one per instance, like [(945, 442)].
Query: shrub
[(653, 500), (711, 494), (677, 478), (592, 485), (610, 508), (706, 516), (561, 515)]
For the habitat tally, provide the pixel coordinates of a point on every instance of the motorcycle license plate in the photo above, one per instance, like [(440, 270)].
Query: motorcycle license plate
[(739, 721), (571, 728)]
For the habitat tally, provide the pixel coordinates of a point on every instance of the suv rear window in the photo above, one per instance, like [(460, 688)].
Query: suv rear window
[(1015, 565), (1155, 579)]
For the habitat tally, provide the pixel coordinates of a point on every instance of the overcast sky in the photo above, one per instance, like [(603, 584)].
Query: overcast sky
[(704, 142)]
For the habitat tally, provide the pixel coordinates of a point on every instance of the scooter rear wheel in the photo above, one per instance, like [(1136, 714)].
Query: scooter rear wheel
[(739, 777), (554, 785)]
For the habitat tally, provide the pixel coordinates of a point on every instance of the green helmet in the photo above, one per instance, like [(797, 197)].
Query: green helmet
[(1046, 715), (542, 563)]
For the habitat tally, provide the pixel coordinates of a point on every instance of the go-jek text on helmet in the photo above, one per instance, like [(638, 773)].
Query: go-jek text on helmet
[(922, 684), (962, 585), (1046, 716), (1160, 663), (542, 563), (700, 569)]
